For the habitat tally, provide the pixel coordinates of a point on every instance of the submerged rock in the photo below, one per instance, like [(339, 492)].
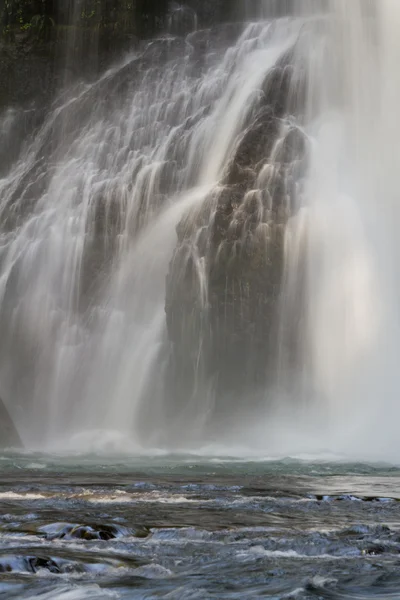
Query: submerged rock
[(70, 531), (9, 436)]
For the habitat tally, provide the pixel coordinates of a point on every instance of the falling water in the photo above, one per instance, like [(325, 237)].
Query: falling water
[(90, 212), (344, 237)]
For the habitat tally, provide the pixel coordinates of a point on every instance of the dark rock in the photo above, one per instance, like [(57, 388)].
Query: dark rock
[(375, 550), (37, 563), (34, 66), (68, 531), (224, 281)]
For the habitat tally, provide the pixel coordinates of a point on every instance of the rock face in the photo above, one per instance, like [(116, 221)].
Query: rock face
[(8, 434), (40, 41), (224, 281)]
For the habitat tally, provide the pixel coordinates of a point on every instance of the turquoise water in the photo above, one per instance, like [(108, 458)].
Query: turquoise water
[(190, 527)]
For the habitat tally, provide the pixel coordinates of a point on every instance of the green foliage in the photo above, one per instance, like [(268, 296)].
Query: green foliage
[(41, 25), (32, 16), (38, 17)]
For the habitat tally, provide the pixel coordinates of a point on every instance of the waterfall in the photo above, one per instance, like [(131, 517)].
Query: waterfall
[(200, 245), (346, 233)]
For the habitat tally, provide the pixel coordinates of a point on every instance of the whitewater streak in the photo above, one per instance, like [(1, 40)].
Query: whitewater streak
[(89, 213)]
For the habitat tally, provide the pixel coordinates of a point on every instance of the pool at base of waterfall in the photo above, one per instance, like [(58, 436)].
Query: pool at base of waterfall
[(186, 527)]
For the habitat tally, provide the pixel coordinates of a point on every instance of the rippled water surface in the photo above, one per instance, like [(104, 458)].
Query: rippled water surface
[(191, 527)]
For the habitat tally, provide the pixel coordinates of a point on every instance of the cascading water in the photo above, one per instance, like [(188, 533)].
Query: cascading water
[(350, 323), (339, 296), (276, 140)]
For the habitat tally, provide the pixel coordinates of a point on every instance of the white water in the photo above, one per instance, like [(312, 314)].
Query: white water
[(82, 311), (349, 226), (83, 356)]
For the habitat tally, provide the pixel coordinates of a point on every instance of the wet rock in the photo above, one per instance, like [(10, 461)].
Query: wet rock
[(5, 566), (39, 562), (68, 531), (30, 564), (225, 276), (36, 563), (375, 550), (9, 437), (182, 20)]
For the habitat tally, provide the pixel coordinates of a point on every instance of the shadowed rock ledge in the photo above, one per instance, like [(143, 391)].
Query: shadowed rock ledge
[(224, 281)]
